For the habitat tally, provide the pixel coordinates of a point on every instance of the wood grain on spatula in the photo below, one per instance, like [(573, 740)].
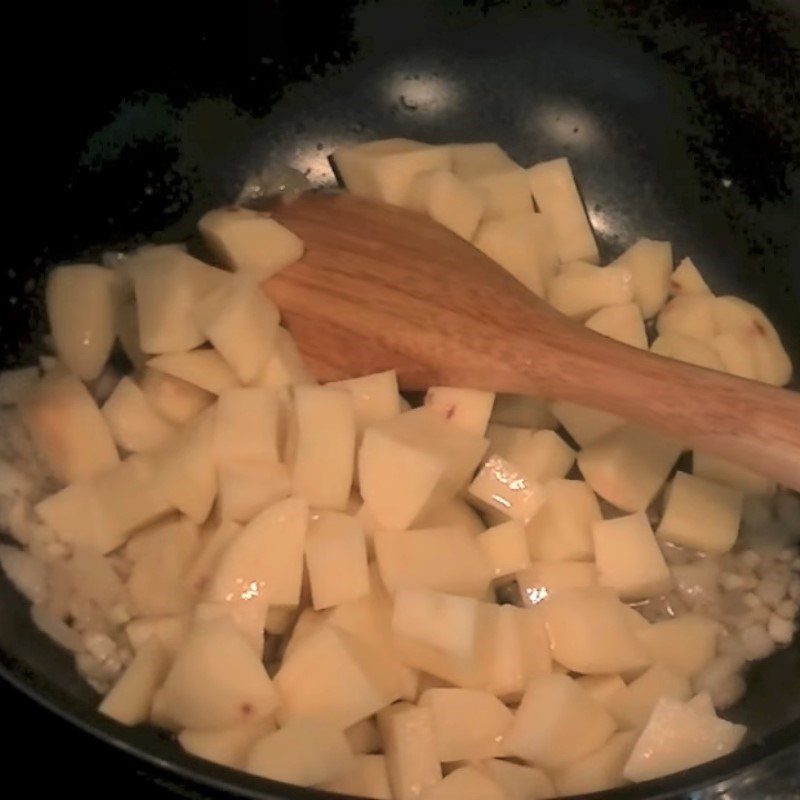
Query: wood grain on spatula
[(383, 288)]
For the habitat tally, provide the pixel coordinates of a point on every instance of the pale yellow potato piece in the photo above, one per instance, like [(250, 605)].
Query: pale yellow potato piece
[(217, 535), (544, 579), (628, 466), (216, 680), (601, 687), (591, 632), (585, 425), (465, 783), (322, 472), (520, 782), (505, 548), (336, 559), (376, 397), (475, 158), (249, 241), (629, 559), (542, 456), (364, 737), (448, 200), (248, 486), (304, 752), (285, 365), (523, 411), (468, 409), (132, 695), (553, 186), (737, 354), (248, 617), (468, 723), (247, 421), (686, 280), (719, 470), (504, 190), (226, 746), (678, 737), (632, 706), (500, 486), (81, 301), (409, 744), (689, 350), (689, 315), (562, 528), (368, 778), (622, 322), (176, 400), (650, 264), (686, 644), (169, 631), (357, 680), (600, 770), (442, 559), (581, 292), (703, 704), (557, 723), (134, 423), (67, 429), (385, 170), (453, 513), (204, 368), (701, 515)]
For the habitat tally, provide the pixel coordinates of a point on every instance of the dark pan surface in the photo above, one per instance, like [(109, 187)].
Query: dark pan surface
[(681, 122)]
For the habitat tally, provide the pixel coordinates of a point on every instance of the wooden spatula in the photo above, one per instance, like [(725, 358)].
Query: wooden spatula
[(382, 288)]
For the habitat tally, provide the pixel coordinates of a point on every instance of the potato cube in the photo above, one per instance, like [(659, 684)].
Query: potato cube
[(628, 466), (465, 783), (542, 456), (632, 706), (701, 515), (169, 631), (133, 422), (501, 487), (591, 632), (376, 397), (622, 322), (703, 704), (600, 770), (336, 559), (174, 399), (690, 351), (544, 579), (304, 752), (248, 486), (81, 300), (504, 190), (601, 687), (368, 778), (519, 782), (443, 559), (475, 158), (249, 241), (585, 425), (687, 280), (686, 644), (719, 470), (364, 737), (326, 438), (246, 425), (579, 293), (448, 200), (468, 409), (505, 548), (204, 368), (562, 529), (678, 737), (629, 559), (453, 513), (522, 411), (384, 170), (285, 365), (468, 723), (737, 354), (557, 723), (688, 315), (553, 186), (226, 746), (650, 264), (216, 537)]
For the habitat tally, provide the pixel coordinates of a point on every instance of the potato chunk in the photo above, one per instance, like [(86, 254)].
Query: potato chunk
[(448, 200)]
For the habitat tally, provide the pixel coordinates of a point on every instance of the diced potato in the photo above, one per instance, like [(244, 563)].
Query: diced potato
[(384, 170), (285, 365), (322, 472), (376, 397), (585, 425), (737, 354), (336, 559), (409, 743), (217, 536), (623, 322), (678, 737), (688, 315), (553, 186), (600, 770), (632, 706), (280, 620), (505, 548), (519, 782), (67, 428), (629, 559), (591, 633), (691, 351), (81, 301), (169, 283), (453, 513), (687, 280), (204, 368), (701, 515), (266, 558), (357, 680), (523, 245), (305, 752), (170, 632), (501, 487), (248, 616), (226, 746), (522, 411), (364, 737), (628, 466), (686, 644), (16, 383), (247, 425), (557, 723), (579, 293), (308, 622), (562, 529), (703, 704), (368, 778), (465, 783), (216, 680), (248, 486), (542, 456), (133, 422), (468, 723), (476, 158), (174, 399), (448, 200), (650, 264), (249, 241), (719, 470), (601, 687), (443, 559), (504, 190), (544, 579), (469, 409), (130, 699)]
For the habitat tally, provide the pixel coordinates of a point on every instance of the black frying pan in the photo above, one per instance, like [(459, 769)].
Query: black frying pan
[(681, 121)]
